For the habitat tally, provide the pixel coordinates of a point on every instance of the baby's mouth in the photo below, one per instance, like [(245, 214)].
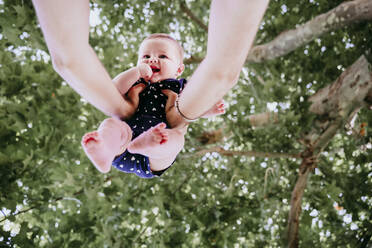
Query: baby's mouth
[(155, 69)]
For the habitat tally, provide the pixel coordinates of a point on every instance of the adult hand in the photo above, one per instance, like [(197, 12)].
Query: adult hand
[(132, 97), (174, 119)]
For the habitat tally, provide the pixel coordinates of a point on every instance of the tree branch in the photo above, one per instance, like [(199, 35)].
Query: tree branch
[(224, 152), (38, 205), (345, 14), (20, 212), (191, 15), (263, 119), (324, 139), (349, 91), (193, 60)]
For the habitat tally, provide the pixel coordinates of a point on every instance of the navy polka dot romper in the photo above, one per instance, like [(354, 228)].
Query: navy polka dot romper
[(150, 112)]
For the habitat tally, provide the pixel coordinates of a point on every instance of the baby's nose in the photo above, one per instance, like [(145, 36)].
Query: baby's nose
[(153, 60)]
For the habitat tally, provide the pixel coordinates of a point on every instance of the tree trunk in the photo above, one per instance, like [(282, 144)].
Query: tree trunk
[(296, 198), (333, 104)]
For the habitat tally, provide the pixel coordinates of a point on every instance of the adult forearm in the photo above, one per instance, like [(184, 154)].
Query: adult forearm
[(65, 25), (86, 75), (205, 88), (232, 28)]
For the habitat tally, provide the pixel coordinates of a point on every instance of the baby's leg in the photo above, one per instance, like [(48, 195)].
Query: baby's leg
[(111, 139), (160, 144)]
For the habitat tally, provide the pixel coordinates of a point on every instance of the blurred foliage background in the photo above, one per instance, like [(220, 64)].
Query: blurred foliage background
[(51, 196)]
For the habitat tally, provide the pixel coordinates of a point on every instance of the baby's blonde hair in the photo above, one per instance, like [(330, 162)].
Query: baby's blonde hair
[(167, 37)]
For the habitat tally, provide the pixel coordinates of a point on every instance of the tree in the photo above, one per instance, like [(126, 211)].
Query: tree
[(289, 164)]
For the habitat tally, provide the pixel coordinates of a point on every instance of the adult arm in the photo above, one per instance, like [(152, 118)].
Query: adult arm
[(65, 25), (176, 121), (232, 28)]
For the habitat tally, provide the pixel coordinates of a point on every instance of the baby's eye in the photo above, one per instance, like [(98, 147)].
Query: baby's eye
[(146, 56), (163, 56)]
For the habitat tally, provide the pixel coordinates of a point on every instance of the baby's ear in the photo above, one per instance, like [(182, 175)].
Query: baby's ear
[(180, 69)]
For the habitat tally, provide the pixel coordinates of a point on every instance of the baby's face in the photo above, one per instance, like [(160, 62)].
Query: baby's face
[(163, 57)]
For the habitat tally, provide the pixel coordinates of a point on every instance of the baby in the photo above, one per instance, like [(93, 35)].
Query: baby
[(145, 144)]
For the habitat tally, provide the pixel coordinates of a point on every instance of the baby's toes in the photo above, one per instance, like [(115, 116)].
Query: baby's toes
[(156, 137), (92, 136), (160, 126), (161, 136), (164, 139)]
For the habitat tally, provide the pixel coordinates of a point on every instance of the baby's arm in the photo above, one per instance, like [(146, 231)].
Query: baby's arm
[(126, 79)]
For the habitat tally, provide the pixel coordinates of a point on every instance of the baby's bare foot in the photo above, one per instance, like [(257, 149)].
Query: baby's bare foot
[(148, 140), (103, 145), (95, 149)]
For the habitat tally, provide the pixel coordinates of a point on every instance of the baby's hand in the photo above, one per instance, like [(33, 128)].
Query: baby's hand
[(145, 71), (217, 109)]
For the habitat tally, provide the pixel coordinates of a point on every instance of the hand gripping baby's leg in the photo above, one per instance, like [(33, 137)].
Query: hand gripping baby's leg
[(101, 146), (132, 97)]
